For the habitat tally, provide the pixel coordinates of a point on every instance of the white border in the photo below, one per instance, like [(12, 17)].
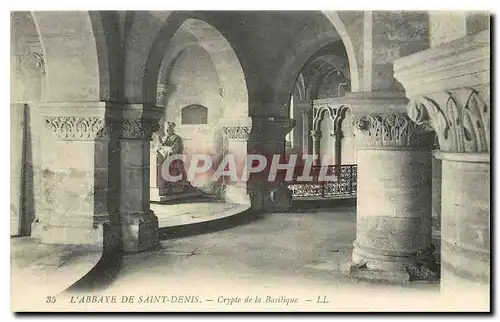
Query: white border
[(180, 5)]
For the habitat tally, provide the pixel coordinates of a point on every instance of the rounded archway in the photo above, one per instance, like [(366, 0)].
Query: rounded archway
[(200, 84)]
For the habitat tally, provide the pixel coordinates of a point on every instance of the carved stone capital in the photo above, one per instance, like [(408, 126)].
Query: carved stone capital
[(78, 128), (86, 121), (138, 128), (390, 130), (461, 118), (237, 132)]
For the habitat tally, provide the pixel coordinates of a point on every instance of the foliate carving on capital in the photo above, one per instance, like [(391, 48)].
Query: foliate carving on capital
[(237, 132), (461, 119), (139, 128), (75, 128), (391, 130)]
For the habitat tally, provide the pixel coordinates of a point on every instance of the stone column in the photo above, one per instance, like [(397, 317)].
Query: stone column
[(268, 138), (393, 238), (17, 161), (139, 225), (306, 111), (157, 185), (316, 141), (338, 134), (436, 202), (236, 134), (76, 183), (449, 88)]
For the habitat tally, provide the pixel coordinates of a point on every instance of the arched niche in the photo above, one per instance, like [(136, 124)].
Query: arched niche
[(194, 114), (199, 82), (197, 35)]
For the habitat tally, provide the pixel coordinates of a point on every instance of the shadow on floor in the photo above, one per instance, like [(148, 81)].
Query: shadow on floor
[(308, 205), (100, 276), (108, 267), (204, 227)]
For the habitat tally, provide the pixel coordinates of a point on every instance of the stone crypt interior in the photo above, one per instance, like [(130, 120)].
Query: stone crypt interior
[(397, 103)]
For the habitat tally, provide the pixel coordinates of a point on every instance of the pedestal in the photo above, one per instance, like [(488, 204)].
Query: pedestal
[(236, 193), (163, 191)]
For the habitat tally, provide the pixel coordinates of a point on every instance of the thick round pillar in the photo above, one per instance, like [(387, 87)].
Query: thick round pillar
[(394, 191), (465, 236), (394, 196), (449, 88), (393, 208), (455, 101)]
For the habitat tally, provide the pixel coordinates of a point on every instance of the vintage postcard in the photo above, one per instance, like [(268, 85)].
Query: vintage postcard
[(250, 161)]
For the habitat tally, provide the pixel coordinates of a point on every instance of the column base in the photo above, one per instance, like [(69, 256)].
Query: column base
[(393, 268), (279, 199), (139, 231), (273, 198), (176, 190), (76, 230), (237, 194)]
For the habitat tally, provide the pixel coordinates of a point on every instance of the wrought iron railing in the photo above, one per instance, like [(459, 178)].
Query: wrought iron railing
[(343, 185)]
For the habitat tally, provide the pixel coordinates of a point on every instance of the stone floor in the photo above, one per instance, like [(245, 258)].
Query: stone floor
[(289, 261), (192, 211), (47, 269), (288, 256)]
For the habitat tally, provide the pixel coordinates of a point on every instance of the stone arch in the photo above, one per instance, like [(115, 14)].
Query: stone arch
[(28, 70), (323, 67), (75, 55), (228, 67), (308, 47), (341, 29)]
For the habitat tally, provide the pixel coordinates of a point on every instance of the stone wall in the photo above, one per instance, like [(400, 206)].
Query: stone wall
[(194, 80), (395, 34), (450, 25)]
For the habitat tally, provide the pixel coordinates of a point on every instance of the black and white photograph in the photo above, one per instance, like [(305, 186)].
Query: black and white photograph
[(250, 160)]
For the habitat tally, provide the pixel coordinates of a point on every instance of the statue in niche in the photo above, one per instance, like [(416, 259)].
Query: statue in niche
[(171, 144), (164, 146)]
